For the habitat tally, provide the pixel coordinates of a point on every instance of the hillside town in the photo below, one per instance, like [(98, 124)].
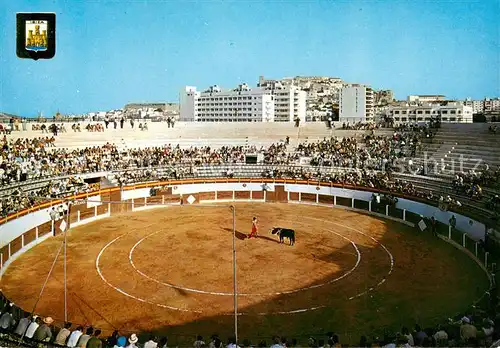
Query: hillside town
[(295, 99)]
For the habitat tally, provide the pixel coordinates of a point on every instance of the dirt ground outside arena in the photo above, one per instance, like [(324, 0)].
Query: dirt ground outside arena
[(169, 271)]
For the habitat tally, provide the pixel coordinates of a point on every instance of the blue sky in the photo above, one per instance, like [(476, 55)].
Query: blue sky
[(112, 53)]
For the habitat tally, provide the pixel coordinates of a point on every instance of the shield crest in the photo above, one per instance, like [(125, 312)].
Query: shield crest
[(36, 35)]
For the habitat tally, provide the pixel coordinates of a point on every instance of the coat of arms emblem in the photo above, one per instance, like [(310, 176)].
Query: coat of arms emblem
[(36, 35)]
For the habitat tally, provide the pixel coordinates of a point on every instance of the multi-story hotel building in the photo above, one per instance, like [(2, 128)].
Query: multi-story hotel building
[(289, 101), (356, 104), (271, 102), (450, 112), (242, 104)]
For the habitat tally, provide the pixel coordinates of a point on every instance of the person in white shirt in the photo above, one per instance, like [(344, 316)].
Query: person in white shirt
[(232, 343), (199, 342), (7, 320), (74, 337), (277, 342), (23, 325), (30, 331), (152, 343)]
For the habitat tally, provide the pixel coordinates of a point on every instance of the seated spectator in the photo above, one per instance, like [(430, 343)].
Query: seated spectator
[(121, 342), (199, 342), (232, 342), (75, 337), (420, 335), (44, 332), (441, 336), (23, 325), (164, 343), (151, 343), (82, 342), (63, 334), (133, 341), (111, 340), (467, 330), (7, 321), (35, 324), (95, 341)]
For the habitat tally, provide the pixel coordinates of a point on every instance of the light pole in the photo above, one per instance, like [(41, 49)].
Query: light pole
[(235, 293)]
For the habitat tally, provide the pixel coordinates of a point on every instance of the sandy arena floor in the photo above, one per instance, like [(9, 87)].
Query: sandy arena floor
[(170, 270)]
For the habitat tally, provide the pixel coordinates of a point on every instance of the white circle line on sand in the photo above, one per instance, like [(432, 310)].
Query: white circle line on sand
[(126, 293), (391, 258), (301, 310), (285, 292)]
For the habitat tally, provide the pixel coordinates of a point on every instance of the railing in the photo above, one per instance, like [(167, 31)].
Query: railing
[(447, 233), (240, 171)]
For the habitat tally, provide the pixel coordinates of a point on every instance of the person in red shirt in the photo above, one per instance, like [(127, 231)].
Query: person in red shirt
[(254, 228)]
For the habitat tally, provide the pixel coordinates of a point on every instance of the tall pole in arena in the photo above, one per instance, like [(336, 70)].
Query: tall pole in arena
[(65, 267), (235, 295)]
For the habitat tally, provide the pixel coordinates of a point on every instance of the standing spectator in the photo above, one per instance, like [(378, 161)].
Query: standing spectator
[(106, 121), (434, 226), (44, 333), (96, 342), (74, 337), (30, 331), (453, 222), (122, 121), (115, 123), (63, 334), (132, 123), (23, 325), (25, 125)]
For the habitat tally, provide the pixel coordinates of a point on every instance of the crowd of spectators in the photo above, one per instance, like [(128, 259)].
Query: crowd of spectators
[(477, 328), (27, 159)]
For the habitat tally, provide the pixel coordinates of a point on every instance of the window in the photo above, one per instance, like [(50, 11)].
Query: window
[(396, 112), (427, 112), (419, 112), (444, 112)]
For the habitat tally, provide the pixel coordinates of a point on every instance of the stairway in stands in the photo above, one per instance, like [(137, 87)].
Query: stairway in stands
[(463, 147)]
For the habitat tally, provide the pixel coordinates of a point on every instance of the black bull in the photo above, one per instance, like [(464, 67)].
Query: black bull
[(284, 233)]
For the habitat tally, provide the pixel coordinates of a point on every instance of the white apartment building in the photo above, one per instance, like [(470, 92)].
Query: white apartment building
[(426, 98), (484, 105), (356, 104), (242, 104), (451, 112), (289, 101)]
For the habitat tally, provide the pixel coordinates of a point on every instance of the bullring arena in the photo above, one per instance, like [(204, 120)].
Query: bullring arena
[(157, 257)]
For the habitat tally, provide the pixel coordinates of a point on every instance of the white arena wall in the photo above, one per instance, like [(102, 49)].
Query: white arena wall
[(15, 230)]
